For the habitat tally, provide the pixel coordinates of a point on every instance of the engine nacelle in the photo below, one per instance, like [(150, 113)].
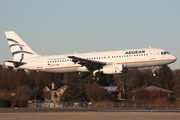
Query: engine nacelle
[(82, 69), (113, 69)]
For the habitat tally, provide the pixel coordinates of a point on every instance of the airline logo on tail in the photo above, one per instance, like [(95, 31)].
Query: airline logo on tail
[(20, 51)]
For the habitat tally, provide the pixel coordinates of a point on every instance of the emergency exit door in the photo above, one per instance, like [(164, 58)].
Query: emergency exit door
[(39, 63)]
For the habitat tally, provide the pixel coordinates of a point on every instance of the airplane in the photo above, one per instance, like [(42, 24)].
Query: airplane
[(108, 62)]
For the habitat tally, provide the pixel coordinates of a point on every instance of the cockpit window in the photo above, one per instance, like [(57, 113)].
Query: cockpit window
[(163, 53), (166, 52)]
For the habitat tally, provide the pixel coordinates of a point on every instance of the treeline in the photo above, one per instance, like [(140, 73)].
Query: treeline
[(23, 85), (133, 80), (11, 79), (80, 87), (140, 78)]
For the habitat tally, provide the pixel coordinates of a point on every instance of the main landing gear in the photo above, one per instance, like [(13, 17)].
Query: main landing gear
[(94, 77)]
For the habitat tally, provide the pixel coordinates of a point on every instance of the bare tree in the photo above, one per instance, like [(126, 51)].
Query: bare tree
[(95, 92), (23, 94)]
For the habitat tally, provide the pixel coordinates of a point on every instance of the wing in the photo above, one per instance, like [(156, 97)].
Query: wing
[(91, 65)]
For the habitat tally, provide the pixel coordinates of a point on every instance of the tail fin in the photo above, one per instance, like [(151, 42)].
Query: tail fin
[(18, 47)]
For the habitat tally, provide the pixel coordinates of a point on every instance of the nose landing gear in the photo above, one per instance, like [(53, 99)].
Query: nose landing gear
[(153, 71)]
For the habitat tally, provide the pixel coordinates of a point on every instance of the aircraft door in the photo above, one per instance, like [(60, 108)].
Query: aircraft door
[(152, 54), (39, 63)]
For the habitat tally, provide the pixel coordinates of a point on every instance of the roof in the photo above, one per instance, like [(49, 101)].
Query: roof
[(111, 88), (57, 87), (154, 88)]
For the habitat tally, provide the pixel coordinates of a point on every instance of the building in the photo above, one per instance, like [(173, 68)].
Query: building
[(54, 92), (115, 94), (152, 92)]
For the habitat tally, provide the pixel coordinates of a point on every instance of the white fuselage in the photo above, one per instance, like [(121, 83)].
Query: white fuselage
[(134, 58), (108, 62)]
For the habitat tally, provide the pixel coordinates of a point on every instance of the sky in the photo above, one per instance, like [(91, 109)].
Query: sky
[(52, 27)]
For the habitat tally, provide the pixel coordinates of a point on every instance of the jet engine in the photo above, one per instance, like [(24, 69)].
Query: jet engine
[(113, 69)]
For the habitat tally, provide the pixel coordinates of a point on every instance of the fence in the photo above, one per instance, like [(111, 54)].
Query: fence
[(54, 104), (136, 106)]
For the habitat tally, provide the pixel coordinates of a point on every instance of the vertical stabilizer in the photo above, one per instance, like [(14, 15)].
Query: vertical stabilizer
[(18, 47)]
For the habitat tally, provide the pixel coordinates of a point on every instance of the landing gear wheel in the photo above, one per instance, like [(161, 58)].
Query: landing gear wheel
[(95, 78)]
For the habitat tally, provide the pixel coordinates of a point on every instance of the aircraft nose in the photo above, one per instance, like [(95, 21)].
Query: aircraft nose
[(174, 58)]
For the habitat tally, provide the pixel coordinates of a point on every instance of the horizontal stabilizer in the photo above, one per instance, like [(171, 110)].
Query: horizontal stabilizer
[(14, 63)]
